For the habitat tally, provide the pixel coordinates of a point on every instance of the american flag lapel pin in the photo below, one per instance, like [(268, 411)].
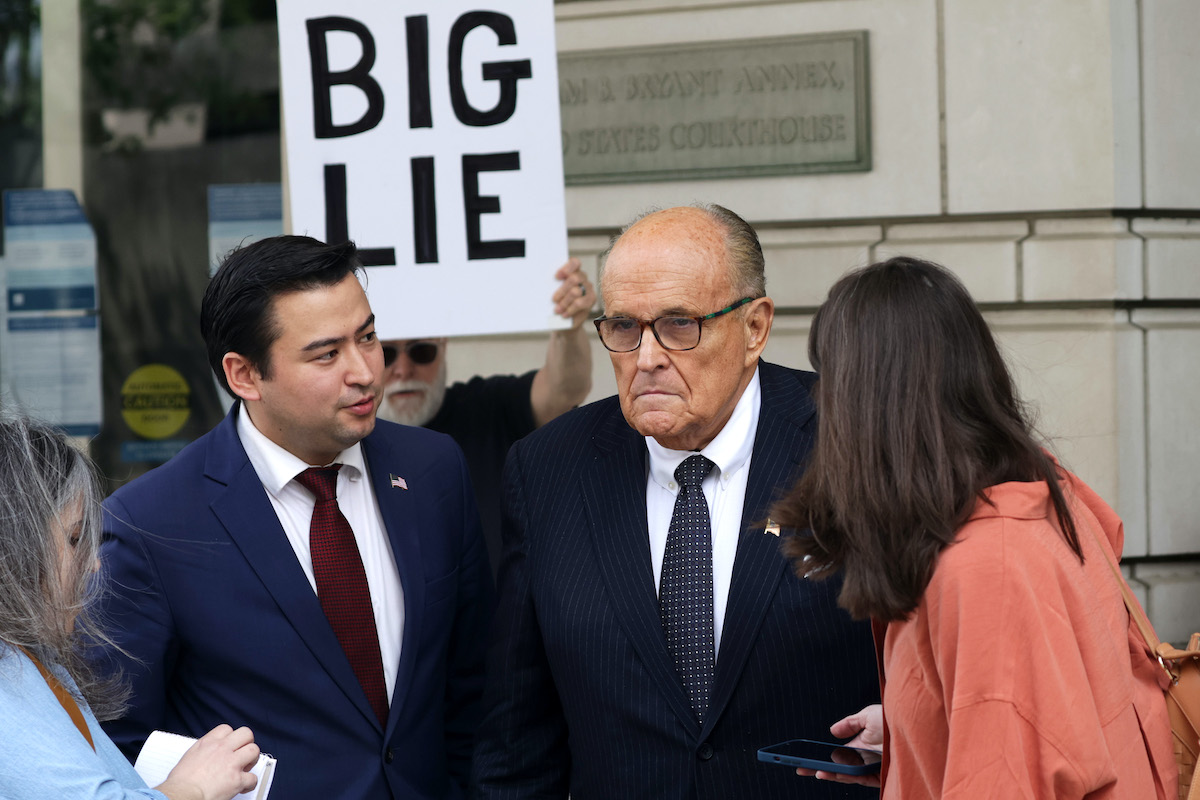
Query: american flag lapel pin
[(772, 527), (398, 482)]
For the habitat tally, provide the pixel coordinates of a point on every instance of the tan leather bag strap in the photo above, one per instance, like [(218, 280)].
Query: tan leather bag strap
[(1135, 609), (1164, 651), (64, 698)]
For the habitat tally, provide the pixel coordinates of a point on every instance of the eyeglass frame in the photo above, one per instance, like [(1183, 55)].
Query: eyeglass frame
[(598, 321), (388, 362)]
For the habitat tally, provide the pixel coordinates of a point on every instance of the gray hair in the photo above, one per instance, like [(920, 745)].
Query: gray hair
[(42, 477), (747, 267)]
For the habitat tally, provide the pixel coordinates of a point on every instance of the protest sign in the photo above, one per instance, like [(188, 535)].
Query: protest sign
[(429, 134)]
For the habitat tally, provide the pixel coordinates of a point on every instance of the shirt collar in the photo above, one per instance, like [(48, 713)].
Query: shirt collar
[(729, 450), (1015, 500), (276, 467)]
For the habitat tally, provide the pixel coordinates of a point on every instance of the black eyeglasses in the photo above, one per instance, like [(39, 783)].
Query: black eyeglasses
[(624, 334), (417, 352)]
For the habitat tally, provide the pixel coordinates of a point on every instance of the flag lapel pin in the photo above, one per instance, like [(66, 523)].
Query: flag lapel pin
[(398, 482)]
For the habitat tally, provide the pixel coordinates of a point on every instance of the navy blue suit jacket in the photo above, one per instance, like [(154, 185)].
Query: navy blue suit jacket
[(221, 624), (583, 696)]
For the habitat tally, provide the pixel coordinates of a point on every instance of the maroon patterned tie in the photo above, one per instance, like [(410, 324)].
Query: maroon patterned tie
[(342, 585)]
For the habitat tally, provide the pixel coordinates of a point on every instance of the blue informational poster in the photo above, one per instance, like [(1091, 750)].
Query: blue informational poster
[(50, 348), (238, 214), (50, 252), (241, 213)]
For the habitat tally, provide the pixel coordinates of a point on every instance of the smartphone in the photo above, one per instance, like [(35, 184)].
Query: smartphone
[(825, 756)]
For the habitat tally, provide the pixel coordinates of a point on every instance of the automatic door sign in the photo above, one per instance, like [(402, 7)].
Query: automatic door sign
[(155, 401)]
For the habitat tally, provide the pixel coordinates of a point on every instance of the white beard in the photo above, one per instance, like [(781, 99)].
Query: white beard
[(434, 393)]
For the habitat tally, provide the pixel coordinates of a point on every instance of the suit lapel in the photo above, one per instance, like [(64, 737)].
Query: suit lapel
[(395, 505), (614, 499), (781, 443), (242, 506)]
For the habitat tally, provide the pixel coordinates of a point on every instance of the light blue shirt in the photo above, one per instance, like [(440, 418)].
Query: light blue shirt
[(42, 754)]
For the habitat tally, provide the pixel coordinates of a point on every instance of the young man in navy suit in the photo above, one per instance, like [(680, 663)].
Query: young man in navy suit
[(301, 569), (649, 636)]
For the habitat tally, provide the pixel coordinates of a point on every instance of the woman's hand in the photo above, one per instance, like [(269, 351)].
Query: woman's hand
[(867, 729), (216, 767)]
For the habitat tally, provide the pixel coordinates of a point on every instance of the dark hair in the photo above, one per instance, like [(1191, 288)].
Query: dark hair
[(44, 608), (917, 417), (237, 316), (747, 267)]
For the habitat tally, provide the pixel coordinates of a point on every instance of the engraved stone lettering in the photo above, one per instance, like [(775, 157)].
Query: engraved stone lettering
[(754, 107)]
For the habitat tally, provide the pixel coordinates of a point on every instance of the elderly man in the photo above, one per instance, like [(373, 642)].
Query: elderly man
[(486, 415), (650, 637)]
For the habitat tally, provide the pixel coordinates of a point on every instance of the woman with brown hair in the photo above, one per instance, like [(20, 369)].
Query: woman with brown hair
[(1011, 667), (51, 745)]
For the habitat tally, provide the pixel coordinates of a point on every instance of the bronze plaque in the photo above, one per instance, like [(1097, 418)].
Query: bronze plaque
[(730, 109)]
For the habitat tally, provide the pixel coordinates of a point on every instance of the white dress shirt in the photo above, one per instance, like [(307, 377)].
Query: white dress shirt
[(277, 469), (724, 491)]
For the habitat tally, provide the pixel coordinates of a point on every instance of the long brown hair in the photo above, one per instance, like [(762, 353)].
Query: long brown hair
[(917, 417)]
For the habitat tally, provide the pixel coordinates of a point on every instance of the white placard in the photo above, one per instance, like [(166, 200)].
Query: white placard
[(440, 119)]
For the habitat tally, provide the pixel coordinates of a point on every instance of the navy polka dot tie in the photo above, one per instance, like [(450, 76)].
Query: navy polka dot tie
[(685, 595), (342, 586)]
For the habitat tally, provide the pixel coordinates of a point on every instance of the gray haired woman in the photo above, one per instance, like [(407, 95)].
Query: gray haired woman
[(51, 745)]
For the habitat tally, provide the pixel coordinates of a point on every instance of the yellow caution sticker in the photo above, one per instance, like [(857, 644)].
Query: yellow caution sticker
[(155, 401)]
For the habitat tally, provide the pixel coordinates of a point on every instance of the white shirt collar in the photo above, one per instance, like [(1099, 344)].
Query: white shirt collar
[(730, 449), (276, 467)]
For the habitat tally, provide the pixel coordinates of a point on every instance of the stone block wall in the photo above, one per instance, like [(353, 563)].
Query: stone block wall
[(1114, 387), (1047, 153)]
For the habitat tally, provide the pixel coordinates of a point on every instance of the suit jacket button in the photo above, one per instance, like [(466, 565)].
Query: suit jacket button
[(388, 756), (705, 752)]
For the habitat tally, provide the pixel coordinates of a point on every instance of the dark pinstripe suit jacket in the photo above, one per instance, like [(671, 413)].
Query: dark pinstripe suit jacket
[(583, 696)]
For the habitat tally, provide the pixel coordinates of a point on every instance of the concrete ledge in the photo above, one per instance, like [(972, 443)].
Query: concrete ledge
[(1082, 259), (983, 254), (1172, 257), (802, 263), (1169, 596)]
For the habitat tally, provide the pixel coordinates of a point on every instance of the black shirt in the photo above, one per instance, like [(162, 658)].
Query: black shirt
[(485, 416)]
